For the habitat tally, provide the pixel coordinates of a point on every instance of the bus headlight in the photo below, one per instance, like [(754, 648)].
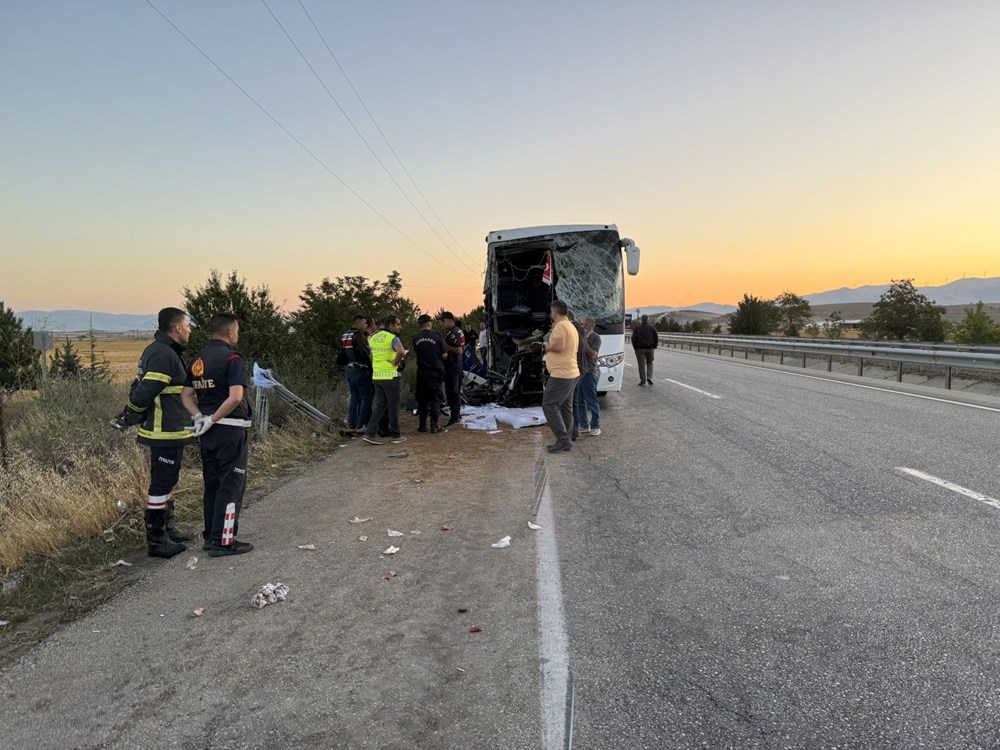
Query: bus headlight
[(611, 360)]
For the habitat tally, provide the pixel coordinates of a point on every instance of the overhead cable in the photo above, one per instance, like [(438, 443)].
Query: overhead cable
[(362, 137), (379, 129), (291, 135)]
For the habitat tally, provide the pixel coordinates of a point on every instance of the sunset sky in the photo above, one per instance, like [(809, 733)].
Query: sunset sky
[(746, 147)]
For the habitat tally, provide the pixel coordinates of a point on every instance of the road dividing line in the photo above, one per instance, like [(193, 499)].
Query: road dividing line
[(691, 388), (991, 501), (553, 643)]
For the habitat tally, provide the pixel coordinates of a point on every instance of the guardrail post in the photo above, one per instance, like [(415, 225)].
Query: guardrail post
[(781, 358), (947, 377), (899, 372), (746, 353), (761, 355), (803, 361), (829, 363), (861, 366)]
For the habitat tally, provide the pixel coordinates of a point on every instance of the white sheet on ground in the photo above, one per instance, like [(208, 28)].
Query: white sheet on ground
[(488, 416)]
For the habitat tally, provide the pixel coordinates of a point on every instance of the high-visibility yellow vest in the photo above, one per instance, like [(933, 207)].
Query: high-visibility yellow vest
[(383, 356)]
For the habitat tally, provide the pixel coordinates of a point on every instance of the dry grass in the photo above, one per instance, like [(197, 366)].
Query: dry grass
[(68, 470), (122, 355)]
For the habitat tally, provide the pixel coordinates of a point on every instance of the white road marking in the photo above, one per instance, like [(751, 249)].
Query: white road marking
[(692, 388), (991, 501), (553, 643), (842, 382)]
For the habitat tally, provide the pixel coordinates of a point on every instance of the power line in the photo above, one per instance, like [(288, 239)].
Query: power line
[(362, 137), (379, 128), (291, 135)]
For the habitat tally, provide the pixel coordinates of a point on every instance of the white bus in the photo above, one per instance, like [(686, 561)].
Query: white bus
[(526, 269)]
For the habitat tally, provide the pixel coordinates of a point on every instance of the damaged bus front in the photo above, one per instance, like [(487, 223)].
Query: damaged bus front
[(528, 268)]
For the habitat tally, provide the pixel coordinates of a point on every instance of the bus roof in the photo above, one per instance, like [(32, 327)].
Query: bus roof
[(525, 232)]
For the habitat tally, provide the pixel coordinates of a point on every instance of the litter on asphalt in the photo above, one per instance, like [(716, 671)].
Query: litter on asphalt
[(533, 526), (192, 563), (199, 612), (391, 551), (362, 539), (306, 546), (269, 593), (505, 542), (121, 564), (401, 454), (360, 520), (108, 535), (390, 532)]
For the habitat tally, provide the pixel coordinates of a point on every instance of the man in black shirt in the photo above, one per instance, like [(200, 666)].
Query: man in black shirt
[(431, 352), (454, 339), (645, 339), (357, 360), (217, 387)]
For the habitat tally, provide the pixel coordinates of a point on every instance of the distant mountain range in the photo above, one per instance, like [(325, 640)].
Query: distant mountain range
[(960, 292), (80, 320)]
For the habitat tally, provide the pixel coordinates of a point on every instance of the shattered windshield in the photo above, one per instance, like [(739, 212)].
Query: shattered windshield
[(588, 269)]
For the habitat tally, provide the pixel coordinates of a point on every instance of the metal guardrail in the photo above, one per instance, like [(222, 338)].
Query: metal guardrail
[(947, 356)]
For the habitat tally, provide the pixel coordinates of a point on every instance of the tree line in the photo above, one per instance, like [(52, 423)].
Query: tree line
[(302, 345), (901, 314)]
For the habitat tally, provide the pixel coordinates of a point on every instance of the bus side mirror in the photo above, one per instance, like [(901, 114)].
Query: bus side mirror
[(631, 256)]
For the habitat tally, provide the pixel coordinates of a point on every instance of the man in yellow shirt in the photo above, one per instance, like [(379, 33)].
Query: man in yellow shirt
[(561, 362)]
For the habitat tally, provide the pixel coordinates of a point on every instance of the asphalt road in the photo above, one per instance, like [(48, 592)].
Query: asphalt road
[(741, 565)]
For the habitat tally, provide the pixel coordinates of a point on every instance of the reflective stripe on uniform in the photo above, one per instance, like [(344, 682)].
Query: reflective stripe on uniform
[(185, 435), (133, 407), (157, 415), (158, 376), (172, 390)]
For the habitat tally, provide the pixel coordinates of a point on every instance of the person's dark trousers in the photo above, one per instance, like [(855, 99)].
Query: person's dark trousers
[(387, 394), (645, 357), (366, 402), (453, 391), (428, 396), (359, 411), (224, 466), (164, 468), (586, 401), (557, 405)]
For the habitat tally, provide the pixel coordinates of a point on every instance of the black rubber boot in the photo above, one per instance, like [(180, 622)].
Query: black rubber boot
[(156, 535), (175, 534), (236, 548), (423, 426)]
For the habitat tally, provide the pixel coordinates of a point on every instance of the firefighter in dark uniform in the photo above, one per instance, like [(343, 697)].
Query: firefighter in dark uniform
[(215, 393), (154, 403), (454, 339), (431, 352)]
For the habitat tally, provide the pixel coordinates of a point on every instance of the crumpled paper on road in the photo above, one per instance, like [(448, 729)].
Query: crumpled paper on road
[(505, 542), (269, 593)]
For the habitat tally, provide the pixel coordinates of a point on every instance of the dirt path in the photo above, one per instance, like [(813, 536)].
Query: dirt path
[(356, 657)]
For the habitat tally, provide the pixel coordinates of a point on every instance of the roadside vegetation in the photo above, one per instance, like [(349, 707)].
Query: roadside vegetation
[(901, 314), (72, 489)]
